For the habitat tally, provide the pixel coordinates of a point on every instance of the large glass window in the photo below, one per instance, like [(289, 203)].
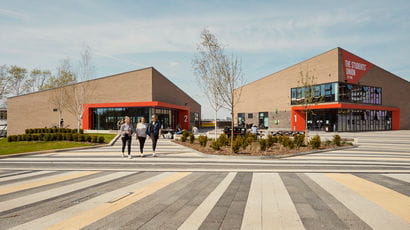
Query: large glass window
[(337, 91), (3, 114), (107, 118)]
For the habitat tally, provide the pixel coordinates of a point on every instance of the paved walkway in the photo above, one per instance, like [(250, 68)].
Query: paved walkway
[(362, 188)]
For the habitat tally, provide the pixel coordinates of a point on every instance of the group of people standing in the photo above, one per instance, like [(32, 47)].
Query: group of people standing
[(143, 130)]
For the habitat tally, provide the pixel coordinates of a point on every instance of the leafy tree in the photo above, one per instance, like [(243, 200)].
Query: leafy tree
[(37, 80), (17, 77)]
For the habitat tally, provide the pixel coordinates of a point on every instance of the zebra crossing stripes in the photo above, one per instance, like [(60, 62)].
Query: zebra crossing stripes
[(209, 200)]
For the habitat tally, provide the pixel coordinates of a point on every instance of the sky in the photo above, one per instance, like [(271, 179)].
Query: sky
[(266, 36)]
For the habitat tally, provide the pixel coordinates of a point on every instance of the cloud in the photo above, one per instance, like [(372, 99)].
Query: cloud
[(13, 14)]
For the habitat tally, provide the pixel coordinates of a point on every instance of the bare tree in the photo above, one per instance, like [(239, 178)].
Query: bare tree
[(205, 65), (309, 94), (224, 72), (80, 93), (17, 77)]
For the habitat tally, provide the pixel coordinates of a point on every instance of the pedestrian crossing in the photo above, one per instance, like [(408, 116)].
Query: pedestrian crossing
[(202, 200)]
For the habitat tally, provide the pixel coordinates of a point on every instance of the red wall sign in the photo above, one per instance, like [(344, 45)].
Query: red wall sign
[(354, 67)]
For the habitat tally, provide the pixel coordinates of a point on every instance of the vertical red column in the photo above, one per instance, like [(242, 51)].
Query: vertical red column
[(86, 117), (298, 120), (184, 119), (395, 120)]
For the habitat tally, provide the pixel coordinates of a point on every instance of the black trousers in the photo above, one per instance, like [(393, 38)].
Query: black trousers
[(154, 139), (142, 143), (126, 140)]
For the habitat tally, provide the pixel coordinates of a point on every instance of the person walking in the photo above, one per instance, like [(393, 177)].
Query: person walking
[(142, 134), (126, 130), (153, 130)]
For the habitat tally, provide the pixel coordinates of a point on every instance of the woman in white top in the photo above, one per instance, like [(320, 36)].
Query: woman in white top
[(141, 134)]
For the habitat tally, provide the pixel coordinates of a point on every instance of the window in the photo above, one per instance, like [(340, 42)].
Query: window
[(241, 119), (263, 120), (3, 115), (250, 115)]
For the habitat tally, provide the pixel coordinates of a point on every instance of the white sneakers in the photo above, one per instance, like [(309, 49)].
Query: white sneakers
[(129, 156), (154, 155)]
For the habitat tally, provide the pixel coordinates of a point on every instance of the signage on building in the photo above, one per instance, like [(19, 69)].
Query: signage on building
[(354, 67)]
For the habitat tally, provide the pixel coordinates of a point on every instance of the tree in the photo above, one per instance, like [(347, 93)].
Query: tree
[(310, 94), (206, 69), (17, 77), (224, 71), (37, 80), (80, 93), (65, 76), (4, 81)]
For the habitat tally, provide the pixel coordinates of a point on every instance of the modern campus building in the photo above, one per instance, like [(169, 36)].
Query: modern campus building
[(136, 94), (348, 93)]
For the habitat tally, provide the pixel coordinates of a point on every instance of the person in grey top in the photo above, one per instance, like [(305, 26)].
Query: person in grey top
[(126, 131)]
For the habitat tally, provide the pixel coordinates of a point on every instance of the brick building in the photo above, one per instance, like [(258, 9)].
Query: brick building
[(137, 94), (349, 94)]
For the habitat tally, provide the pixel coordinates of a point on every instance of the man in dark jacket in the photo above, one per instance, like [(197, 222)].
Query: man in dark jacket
[(153, 131)]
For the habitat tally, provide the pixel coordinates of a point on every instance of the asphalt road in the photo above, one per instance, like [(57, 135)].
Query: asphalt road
[(359, 188)]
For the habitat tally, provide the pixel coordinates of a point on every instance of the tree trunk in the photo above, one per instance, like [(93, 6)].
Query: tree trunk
[(216, 116), (232, 120)]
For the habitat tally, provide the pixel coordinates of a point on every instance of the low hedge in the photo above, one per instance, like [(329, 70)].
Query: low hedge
[(56, 137), (52, 130)]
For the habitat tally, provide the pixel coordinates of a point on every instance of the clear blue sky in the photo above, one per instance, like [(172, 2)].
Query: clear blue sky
[(267, 35)]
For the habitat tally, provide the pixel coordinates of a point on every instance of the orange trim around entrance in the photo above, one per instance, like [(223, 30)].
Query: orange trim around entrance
[(184, 110), (298, 114)]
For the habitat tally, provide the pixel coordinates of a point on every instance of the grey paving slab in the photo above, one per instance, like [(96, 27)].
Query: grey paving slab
[(314, 212), (351, 220), (219, 212)]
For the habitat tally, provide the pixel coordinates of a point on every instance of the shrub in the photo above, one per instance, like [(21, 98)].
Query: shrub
[(280, 139), (327, 143), (183, 138), (250, 135), (82, 138), (223, 140), (299, 140), (269, 141), (94, 139), (35, 137), (69, 136), (29, 137), (336, 140), (215, 145), (10, 138), (247, 141), (285, 141), (191, 138), (263, 144), (82, 131), (203, 140), (185, 133), (101, 139), (88, 138), (75, 136), (237, 143), (315, 142)]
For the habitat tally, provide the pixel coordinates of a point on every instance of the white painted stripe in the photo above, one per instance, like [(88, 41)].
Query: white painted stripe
[(40, 196), (402, 177), (50, 220), (375, 216), (269, 204), (285, 215), (252, 217), (187, 169), (24, 175), (195, 220)]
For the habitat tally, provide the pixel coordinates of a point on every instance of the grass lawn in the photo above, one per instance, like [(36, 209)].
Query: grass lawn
[(107, 137), (31, 146)]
